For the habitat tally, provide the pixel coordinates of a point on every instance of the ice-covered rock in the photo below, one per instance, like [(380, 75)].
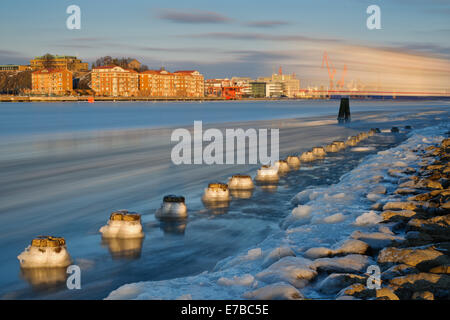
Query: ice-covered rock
[(277, 254), (173, 207), (376, 240), (368, 219), (293, 270), (319, 152), (282, 166), (276, 291), (350, 263), (399, 205), (240, 182), (245, 280), (307, 156), (45, 252), (267, 174), (216, 192), (421, 258), (394, 216), (293, 162), (124, 225), (319, 252)]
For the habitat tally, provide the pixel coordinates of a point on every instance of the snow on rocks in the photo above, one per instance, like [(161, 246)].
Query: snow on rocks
[(45, 252), (293, 270), (123, 225), (276, 291), (350, 263)]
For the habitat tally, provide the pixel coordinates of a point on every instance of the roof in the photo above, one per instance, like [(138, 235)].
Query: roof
[(157, 72), (112, 67), (186, 71), (51, 70)]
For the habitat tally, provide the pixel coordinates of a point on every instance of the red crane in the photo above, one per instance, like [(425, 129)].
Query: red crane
[(331, 70)]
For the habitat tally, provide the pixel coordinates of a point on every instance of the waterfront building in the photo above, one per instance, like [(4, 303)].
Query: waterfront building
[(157, 83), (287, 83), (258, 89), (52, 82), (70, 63), (13, 67), (114, 81), (189, 83)]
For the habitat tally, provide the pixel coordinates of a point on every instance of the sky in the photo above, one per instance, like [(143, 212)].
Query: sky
[(411, 51)]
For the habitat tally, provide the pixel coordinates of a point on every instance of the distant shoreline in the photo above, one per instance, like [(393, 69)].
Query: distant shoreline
[(10, 98)]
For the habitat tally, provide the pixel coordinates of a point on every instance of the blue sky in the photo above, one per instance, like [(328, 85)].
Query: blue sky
[(226, 38)]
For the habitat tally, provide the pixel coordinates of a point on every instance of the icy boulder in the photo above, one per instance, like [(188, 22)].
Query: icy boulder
[(45, 252), (293, 270), (347, 264), (216, 192), (173, 207), (267, 174), (276, 291), (277, 254), (123, 225), (240, 182)]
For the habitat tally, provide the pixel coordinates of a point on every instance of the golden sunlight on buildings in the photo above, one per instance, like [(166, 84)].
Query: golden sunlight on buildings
[(52, 82), (58, 62), (115, 81)]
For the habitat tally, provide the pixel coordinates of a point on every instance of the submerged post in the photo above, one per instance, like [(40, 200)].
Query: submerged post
[(344, 111)]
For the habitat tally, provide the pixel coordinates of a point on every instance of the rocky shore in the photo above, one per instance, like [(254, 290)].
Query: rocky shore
[(412, 249)]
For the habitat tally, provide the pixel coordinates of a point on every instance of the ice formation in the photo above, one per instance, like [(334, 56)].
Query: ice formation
[(319, 152), (123, 225), (267, 174), (293, 162), (307, 156), (282, 166), (240, 182), (45, 252), (216, 192), (173, 207)]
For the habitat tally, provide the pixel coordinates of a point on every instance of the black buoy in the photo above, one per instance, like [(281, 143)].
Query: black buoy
[(344, 111)]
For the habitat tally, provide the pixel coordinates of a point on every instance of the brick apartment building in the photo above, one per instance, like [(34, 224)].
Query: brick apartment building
[(70, 63), (52, 82), (157, 83), (189, 83), (114, 81)]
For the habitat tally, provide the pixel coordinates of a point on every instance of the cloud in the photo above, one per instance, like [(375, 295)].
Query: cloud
[(267, 23), (194, 17), (260, 36)]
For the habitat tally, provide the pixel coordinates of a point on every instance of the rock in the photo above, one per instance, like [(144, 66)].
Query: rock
[(436, 227), (423, 295), (395, 216), (377, 207), (276, 254), (422, 259), (416, 238), (405, 191), (386, 294), (293, 270), (376, 240), (347, 264), (318, 252), (336, 281), (398, 205), (358, 290), (430, 184), (398, 270), (406, 286), (352, 246), (440, 269), (379, 189), (276, 291)]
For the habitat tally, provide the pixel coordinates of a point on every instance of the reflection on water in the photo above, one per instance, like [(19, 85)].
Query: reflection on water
[(241, 194), (268, 187), (217, 207), (44, 278), (174, 227), (124, 248)]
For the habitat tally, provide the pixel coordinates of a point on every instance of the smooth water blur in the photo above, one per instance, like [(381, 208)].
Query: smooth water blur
[(67, 184), (41, 118)]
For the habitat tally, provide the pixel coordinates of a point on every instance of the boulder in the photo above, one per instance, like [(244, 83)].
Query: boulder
[(421, 258), (319, 252), (293, 270), (436, 227), (423, 295), (386, 294), (395, 216), (398, 270), (357, 290), (398, 205), (276, 291), (376, 240), (347, 264), (406, 286), (337, 281)]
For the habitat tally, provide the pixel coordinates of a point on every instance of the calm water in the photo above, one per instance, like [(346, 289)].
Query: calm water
[(33, 118), (68, 187)]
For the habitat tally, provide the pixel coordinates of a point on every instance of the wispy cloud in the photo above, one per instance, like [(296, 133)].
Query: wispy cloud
[(260, 36), (193, 17), (267, 23)]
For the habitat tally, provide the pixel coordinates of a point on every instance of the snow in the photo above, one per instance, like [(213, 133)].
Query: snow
[(122, 229), (36, 257), (172, 210), (277, 272)]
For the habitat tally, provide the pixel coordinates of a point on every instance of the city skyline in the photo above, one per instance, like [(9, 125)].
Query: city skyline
[(246, 39)]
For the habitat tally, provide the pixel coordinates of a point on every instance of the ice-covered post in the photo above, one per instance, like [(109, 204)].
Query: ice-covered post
[(344, 111)]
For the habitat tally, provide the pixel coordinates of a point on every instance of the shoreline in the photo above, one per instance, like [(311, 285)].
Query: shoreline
[(6, 98)]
